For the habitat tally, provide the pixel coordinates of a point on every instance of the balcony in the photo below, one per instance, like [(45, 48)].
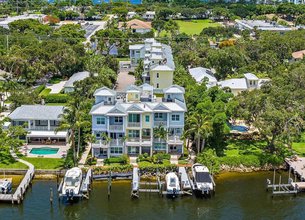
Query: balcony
[(133, 124), (174, 140), (146, 141), (43, 128), (160, 123), (100, 144), (116, 127), (116, 142)]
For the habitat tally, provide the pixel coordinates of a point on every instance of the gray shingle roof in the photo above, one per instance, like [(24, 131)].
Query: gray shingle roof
[(76, 77), (37, 112)]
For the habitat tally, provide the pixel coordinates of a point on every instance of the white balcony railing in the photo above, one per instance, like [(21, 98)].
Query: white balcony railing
[(42, 128), (116, 142), (116, 127), (133, 124), (133, 139), (160, 123), (174, 139)]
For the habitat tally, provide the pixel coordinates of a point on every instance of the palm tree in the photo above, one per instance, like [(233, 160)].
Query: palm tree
[(161, 133), (201, 127), (91, 138)]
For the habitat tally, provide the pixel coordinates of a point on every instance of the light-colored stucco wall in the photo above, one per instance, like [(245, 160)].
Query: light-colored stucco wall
[(165, 79)]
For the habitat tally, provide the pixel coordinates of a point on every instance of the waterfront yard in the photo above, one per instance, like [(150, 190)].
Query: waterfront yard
[(15, 165), (45, 163)]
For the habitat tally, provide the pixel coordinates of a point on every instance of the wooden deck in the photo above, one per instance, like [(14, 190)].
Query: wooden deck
[(18, 195), (298, 166)]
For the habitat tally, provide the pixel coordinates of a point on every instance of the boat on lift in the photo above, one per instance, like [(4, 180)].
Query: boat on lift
[(72, 183), (6, 185), (172, 184), (203, 180)]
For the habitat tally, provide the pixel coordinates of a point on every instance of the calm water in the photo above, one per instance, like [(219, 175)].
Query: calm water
[(238, 196)]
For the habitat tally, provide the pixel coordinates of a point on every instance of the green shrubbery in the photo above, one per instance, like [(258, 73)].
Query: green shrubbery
[(39, 89), (154, 168), (43, 94), (121, 160), (158, 158), (56, 98), (117, 169)]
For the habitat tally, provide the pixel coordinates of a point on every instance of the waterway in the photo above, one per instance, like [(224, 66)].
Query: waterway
[(238, 196)]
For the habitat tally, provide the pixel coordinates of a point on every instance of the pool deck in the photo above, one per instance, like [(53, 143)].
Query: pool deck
[(62, 151)]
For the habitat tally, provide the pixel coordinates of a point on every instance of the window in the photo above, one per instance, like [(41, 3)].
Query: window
[(146, 118), (175, 117), (133, 133), (118, 119), (146, 133), (116, 150), (134, 118), (137, 96), (157, 75), (100, 121), (158, 116), (157, 85)]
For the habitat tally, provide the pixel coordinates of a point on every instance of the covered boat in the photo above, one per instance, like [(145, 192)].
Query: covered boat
[(6, 185), (172, 184)]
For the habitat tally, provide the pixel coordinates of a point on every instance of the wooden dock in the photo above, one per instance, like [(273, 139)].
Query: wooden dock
[(297, 164), (18, 195)]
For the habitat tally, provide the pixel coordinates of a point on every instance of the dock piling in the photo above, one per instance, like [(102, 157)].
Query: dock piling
[(51, 196)]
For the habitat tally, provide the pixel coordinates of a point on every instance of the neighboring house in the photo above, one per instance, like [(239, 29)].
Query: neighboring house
[(69, 85), (261, 25), (136, 26), (158, 62), (200, 74), (249, 82), (41, 122), (129, 121), (130, 15), (149, 15), (298, 55)]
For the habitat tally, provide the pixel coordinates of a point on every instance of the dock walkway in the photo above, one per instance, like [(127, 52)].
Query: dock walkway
[(297, 164), (18, 195)]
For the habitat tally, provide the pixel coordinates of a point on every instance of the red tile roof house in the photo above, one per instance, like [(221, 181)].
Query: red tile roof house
[(136, 25), (298, 55)]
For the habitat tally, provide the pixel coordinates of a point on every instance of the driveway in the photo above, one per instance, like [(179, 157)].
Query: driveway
[(56, 88), (124, 80)]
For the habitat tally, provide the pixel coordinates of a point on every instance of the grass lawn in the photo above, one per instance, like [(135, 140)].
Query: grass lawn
[(195, 26), (300, 146), (56, 104), (15, 165), (45, 163), (45, 92), (123, 59)]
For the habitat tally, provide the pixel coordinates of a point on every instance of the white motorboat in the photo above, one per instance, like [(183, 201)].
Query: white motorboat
[(72, 182), (172, 184), (203, 180), (5, 185)]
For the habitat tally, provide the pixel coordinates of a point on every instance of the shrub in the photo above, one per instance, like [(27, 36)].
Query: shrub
[(39, 89), (154, 168), (117, 169), (56, 98), (121, 160)]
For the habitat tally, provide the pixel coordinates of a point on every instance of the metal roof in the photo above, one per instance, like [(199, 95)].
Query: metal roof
[(76, 77), (199, 73), (37, 112)]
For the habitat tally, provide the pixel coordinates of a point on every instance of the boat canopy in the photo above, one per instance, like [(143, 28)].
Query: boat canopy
[(203, 177)]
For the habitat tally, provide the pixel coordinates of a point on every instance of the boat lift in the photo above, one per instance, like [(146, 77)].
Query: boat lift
[(158, 187)]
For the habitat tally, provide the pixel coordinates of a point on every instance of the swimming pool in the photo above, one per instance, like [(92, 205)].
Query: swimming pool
[(240, 128), (44, 150)]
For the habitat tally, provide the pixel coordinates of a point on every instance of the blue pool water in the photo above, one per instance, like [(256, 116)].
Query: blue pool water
[(239, 128), (44, 151)]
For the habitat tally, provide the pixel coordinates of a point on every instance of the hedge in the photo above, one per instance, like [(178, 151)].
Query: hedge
[(56, 98), (116, 169), (39, 89), (121, 160)]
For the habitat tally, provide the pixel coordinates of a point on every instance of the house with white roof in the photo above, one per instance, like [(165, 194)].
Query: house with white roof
[(201, 74), (158, 62), (149, 15), (69, 85), (130, 121), (249, 82), (130, 15), (40, 121)]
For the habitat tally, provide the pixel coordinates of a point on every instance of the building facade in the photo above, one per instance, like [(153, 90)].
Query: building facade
[(158, 64), (138, 121), (41, 122)]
